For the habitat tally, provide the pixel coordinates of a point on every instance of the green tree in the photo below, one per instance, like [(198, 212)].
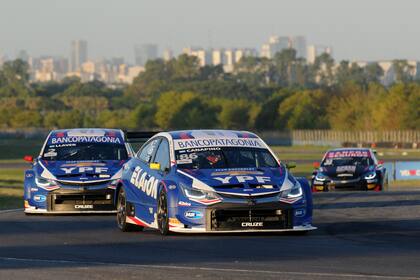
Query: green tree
[(303, 110)]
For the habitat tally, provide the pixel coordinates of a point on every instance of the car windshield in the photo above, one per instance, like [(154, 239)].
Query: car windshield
[(226, 157), (347, 161), (85, 151)]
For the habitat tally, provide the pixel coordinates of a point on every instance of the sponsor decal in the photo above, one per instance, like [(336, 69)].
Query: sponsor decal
[(144, 182), (252, 224), (70, 170), (193, 214), (83, 206), (40, 198), (410, 172), (34, 189), (29, 175), (346, 168), (407, 170), (347, 153), (237, 172), (243, 179), (181, 144), (183, 203), (50, 153), (85, 139), (300, 212)]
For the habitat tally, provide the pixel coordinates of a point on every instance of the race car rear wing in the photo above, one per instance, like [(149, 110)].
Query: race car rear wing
[(139, 136), (136, 139)]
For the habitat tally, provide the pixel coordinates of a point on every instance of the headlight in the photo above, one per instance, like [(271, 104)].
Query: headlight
[(196, 194), (320, 177), (114, 182), (43, 183), (294, 192), (370, 175)]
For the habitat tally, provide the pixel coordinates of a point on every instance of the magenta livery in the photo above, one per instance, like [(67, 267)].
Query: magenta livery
[(211, 181), (77, 170)]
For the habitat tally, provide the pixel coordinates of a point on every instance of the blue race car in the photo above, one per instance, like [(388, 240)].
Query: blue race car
[(76, 171), (211, 181), (349, 169)]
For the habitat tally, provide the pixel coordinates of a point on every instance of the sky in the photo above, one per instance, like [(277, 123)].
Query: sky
[(356, 29)]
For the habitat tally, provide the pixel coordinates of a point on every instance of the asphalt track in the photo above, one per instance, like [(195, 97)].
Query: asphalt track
[(360, 236)]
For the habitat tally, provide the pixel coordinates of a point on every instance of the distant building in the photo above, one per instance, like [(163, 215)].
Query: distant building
[(218, 57), (168, 54), (240, 53), (145, 52), (78, 55), (48, 69), (316, 50), (274, 45), (204, 56), (23, 55), (299, 44)]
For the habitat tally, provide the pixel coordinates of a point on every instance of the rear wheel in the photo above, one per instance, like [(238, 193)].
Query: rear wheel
[(162, 213), (122, 214)]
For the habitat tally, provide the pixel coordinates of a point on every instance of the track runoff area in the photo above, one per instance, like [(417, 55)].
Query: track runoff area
[(361, 235)]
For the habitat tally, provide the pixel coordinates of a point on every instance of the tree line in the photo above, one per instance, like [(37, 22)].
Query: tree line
[(260, 94)]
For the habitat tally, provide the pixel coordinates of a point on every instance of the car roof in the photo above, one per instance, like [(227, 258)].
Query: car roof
[(87, 130), (210, 133), (349, 149)]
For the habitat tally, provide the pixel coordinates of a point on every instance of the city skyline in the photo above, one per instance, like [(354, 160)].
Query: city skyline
[(359, 30)]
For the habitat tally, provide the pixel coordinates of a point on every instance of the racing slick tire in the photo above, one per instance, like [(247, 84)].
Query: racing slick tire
[(122, 214), (162, 213)]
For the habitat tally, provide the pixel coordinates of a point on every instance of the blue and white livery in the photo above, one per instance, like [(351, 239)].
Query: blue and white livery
[(200, 181), (77, 170)]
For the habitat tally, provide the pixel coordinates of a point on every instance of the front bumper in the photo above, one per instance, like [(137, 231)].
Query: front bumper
[(67, 201), (341, 184), (239, 217), (204, 230)]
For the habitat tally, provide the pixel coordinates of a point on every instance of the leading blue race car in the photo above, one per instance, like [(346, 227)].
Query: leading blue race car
[(211, 181), (77, 171)]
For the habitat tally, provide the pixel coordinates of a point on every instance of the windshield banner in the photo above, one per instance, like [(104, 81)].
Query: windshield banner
[(347, 153), (85, 139), (181, 144)]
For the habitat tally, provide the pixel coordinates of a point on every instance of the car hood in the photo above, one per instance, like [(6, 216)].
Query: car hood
[(350, 170), (249, 181), (80, 171)]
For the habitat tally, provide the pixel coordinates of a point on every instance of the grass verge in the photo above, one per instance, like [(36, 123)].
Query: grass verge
[(11, 188)]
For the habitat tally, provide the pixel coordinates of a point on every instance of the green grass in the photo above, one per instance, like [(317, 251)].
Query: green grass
[(11, 188), (12, 148), (315, 153)]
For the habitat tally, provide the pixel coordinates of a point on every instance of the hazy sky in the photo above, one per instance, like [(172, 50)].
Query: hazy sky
[(357, 29)]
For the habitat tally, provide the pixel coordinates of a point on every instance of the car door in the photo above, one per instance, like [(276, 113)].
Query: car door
[(161, 160), (139, 181)]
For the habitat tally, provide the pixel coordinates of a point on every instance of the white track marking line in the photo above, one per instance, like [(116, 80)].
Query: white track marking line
[(10, 210), (210, 269)]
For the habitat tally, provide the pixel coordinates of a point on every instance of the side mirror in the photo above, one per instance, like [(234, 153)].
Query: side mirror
[(28, 158), (316, 164), (290, 165), (375, 152), (155, 166)]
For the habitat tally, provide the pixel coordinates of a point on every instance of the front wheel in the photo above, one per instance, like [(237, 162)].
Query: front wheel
[(162, 213), (122, 214)]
